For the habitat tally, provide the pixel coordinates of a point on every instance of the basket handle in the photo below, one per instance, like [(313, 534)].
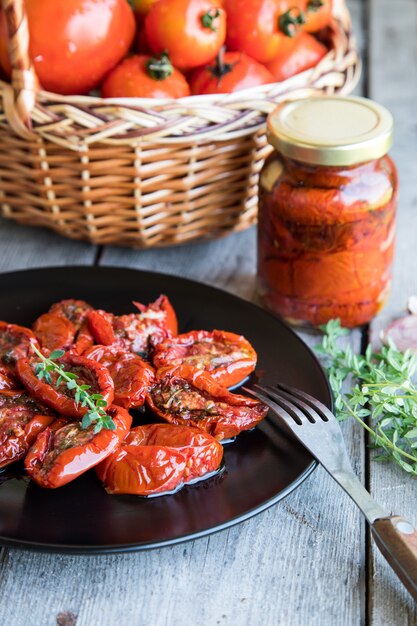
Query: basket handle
[(19, 98)]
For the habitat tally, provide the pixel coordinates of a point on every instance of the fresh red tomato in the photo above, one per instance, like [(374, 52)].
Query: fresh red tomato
[(228, 357), (15, 343), (231, 72), (191, 397), (159, 458), (191, 31), (258, 27), (135, 332), (60, 398), (132, 377), (145, 77), (21, 420), (318, 14), (296, 55), (74, 43), (60, 456)]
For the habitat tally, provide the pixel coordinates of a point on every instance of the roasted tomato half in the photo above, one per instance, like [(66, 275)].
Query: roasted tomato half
[(131, 375), (15, 343), (187, 396), (59, 456), (21, 420), (135, 332), (8, 381), (159, 458), (228, 357), (60, 398), (65, 326)]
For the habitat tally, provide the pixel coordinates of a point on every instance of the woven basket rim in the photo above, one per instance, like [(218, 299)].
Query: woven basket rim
[(77, 121)]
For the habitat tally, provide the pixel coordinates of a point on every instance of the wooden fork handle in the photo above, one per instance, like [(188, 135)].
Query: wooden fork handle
[(397, 540)]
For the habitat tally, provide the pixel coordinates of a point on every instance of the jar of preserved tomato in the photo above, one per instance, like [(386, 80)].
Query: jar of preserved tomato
[(328, 198)]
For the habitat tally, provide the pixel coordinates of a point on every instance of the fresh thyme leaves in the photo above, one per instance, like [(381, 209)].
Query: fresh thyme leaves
[(94, 401), (384, 399)]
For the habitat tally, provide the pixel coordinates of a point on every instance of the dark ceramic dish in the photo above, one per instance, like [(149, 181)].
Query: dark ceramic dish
[(81, 517)]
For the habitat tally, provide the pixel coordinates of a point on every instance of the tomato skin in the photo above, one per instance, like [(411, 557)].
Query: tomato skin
[(233, 356), (64, 326), (89, 38), (8, 381), (223, 415), (101, 327), (296, 55), (54, 331), (74, 310), (130, 79), (253, 26), (131, 375), (135, 332), (21, 420), (163, 305), (57, 400), (175, 26), (159, 458), (244, 73), (319, 18), (15, 343), (52, 466)]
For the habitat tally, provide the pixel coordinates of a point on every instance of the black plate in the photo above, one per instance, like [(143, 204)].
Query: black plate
[(81, 517)]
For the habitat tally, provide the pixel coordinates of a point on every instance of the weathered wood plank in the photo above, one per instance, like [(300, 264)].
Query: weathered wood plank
[(24, 247), (393, 82)]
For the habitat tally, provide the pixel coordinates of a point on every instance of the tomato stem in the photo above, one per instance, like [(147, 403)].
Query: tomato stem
[(289, 21), (314, 5), (221, 68), (159, 67), (208, 19)]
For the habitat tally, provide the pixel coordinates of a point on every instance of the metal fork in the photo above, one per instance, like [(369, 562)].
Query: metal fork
[(315, 426)]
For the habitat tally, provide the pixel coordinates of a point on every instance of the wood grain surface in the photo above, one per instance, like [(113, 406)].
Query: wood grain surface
[(304, 560), (393, 82)]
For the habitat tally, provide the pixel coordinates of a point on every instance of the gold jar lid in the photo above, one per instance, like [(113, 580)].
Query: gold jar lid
[(331, 130)]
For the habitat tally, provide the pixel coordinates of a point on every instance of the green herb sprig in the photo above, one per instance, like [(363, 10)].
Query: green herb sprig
[(384, 399), (94, 401)]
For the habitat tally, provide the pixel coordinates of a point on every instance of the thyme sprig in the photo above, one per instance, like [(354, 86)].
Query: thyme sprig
[(384, 398), (94, 401)]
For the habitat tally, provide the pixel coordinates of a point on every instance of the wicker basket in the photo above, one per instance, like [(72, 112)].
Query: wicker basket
[(140, 172)]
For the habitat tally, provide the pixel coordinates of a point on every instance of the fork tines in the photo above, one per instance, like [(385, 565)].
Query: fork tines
[(292, 404)]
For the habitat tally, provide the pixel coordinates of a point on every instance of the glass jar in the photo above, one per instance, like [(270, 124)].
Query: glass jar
[(328, 198)]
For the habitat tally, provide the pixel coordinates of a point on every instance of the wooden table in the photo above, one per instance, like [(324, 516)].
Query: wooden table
[(308, 559)]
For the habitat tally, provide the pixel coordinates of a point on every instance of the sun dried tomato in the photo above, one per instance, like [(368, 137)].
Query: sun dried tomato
[(135, 332), (131, 375), (228, 357), (60, 456), (21, 420), (65, 326), (60, 398), (15, 343), (187, 396), (159, 458)]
